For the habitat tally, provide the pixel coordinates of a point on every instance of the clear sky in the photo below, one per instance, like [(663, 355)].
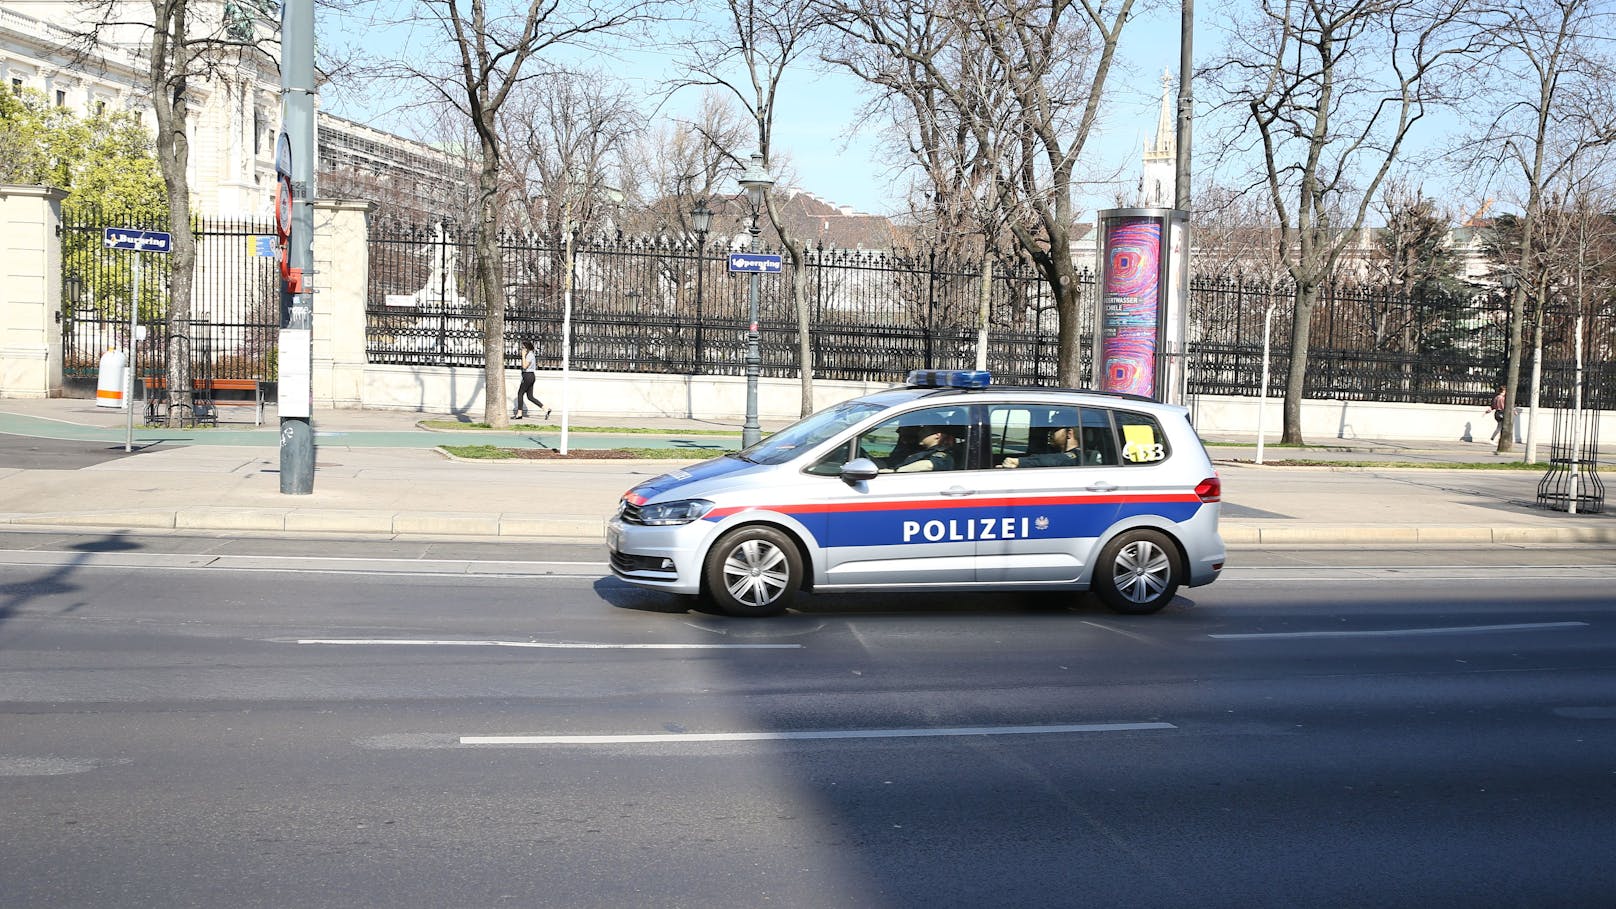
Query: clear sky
[(815, 115)]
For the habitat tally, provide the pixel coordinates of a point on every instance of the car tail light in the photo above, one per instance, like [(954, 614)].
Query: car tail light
[(1210, 489)]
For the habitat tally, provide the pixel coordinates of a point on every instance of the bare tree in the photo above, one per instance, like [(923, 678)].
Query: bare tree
[(1331, 90), (567, 137), (493, 47), (184, 44), (1024, 80), (748, 57), (683, 162), (1550, 80)]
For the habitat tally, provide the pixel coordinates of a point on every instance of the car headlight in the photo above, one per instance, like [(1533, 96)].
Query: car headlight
[(681, 512)]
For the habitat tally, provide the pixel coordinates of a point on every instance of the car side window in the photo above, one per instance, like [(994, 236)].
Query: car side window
[(931, 438), (1048, 435), (1098, 439), (1143, 441), (1009, 432)]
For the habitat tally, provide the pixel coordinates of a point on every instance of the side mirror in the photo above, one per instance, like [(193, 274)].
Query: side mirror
[(858, 470)]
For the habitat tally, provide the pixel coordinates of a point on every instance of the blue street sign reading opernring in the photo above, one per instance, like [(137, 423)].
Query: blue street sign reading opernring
[(135, 240), (762, 263)]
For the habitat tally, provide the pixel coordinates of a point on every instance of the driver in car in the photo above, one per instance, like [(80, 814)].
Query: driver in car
[(936, 451)]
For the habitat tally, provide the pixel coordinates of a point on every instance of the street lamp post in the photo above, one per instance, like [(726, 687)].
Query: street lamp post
[(569, 258), (701, 218), (756, 182)]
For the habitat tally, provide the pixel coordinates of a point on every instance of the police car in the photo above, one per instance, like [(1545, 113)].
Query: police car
[(946, 483)]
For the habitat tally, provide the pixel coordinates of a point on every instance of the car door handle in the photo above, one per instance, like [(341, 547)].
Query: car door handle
[(958, 491), (1102, 486)]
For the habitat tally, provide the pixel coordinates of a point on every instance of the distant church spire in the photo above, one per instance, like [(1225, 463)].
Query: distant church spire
[(1157, 177)]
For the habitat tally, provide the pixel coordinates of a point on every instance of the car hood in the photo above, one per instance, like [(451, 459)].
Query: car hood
[(695, 480)]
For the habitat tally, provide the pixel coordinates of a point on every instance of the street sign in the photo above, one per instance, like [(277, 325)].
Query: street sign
[(135, 240), (262, 247), (760, 263)]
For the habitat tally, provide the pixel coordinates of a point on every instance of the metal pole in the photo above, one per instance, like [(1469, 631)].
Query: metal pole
[(1506, 429), (984, 312), (566, 333), (1186, 106), (129, 384), (294, 388), (751, 433), (1575, 488), (1262, 390), (701, 249)]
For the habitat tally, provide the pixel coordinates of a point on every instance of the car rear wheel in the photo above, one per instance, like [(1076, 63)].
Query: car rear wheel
[(1138, 573), (753, 571)]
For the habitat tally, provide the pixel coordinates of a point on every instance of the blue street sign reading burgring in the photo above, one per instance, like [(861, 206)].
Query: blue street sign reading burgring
[(762, 263), (136, 240)]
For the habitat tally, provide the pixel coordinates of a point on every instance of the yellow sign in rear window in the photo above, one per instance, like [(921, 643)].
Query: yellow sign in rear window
[(1140, 443)]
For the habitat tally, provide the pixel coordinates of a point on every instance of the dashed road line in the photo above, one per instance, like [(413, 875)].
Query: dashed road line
[(541, 645), (804, 735), (1400, 632)]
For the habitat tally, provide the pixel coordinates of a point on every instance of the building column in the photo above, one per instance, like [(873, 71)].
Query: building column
[(30, 291), (341, 277)]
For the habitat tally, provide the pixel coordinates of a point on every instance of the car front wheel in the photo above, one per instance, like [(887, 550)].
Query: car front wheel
[(753, 571), (1138, 573)]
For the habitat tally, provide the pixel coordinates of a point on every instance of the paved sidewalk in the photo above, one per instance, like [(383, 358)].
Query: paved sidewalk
[(380, 473)]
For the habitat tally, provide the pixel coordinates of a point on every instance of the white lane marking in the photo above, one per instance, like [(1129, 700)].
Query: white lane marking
[(570, 645), (801, 736), (1399, 632), (1289, 575), (306, 564)]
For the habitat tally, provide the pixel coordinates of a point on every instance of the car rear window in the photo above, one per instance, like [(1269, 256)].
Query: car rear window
[(1143, 441)]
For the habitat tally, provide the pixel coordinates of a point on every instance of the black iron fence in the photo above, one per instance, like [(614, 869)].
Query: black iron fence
[(671, 306), (235, 303), (648, 305)]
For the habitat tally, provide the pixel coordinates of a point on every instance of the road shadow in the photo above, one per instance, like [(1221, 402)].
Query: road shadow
[(58, 581)]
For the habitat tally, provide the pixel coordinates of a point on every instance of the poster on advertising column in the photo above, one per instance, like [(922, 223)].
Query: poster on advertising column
[(1130, 305), (1132, 318)]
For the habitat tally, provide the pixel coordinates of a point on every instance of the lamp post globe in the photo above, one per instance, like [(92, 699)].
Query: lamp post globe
[(756, 183)]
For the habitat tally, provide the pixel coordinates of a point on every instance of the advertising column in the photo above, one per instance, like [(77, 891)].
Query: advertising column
[(1141, 309)]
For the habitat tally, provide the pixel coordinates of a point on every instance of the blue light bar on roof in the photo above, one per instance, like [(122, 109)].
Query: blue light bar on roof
[(948, 378)]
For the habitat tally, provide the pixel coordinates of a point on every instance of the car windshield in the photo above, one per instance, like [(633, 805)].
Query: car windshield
[(804, 434)]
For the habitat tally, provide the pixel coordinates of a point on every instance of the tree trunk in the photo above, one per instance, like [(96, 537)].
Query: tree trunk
[(805, 343), (1307, 296), (492, 288), (171, 103)]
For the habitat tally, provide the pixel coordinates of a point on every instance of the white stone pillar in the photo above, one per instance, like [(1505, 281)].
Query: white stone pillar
[(341, 276), (30, 291)]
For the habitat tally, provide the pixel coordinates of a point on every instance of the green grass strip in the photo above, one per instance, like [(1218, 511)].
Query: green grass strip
[(1423, 465), (480, 452), (451, 426)]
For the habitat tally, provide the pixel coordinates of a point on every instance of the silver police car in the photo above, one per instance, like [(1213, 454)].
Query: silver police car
[(947, 483)]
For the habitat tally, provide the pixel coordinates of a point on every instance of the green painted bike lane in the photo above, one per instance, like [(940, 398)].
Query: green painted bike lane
[(43, 428)]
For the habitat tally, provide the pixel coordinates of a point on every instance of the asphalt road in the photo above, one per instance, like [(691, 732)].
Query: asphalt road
[(190, 721), (29, 453)]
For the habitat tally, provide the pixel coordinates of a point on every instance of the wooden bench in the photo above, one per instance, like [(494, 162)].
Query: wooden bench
[(205, 400)]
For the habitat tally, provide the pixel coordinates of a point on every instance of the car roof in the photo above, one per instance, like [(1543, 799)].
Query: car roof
[(905, 394)]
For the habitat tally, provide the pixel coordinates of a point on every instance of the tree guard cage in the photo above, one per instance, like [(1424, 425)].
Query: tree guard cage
[(1572, 482)]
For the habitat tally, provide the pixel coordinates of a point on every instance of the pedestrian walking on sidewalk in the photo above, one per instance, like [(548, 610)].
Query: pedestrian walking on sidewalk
[(1497, 410), (530, 374)]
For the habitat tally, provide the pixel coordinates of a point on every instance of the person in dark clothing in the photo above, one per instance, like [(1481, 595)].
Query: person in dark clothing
[(530, 374), (936, 451), (1065, 451), (1496, 408)]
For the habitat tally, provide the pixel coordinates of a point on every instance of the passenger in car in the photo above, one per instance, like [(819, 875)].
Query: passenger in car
[(936, 451), (1065, 451)]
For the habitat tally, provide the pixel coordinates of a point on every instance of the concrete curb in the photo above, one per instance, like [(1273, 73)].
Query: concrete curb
[(582, 529), (1255, 535), (326, 521)]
